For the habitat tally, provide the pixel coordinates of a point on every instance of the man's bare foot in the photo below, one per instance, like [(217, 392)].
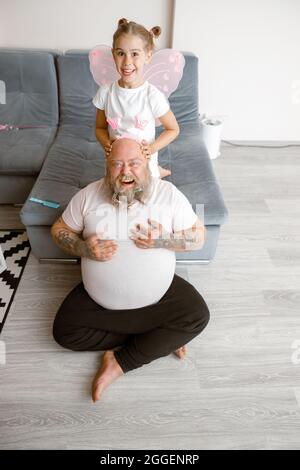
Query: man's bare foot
[(108, 372), (181, 352), (164, 172)]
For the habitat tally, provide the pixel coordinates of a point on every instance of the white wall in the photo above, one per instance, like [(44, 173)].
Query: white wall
[(80, 24), (249, 63)]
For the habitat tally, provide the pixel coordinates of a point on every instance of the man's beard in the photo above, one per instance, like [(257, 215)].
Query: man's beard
[(117, 194)]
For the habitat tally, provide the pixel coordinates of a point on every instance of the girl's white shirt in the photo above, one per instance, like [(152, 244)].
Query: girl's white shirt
[(132, 112)]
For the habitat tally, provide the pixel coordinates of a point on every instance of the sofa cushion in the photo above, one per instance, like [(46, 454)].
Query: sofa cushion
[(74, 160), (76, 90), (31, 89), (184, 100), (23, 152), (193, 174), (31, 103)]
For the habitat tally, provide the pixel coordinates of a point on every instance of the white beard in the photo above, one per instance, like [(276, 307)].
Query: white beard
[(138, 193)]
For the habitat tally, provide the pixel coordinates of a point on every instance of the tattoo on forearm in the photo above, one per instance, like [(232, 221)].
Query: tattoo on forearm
[(187, 241), (70, 242), (170, 244)]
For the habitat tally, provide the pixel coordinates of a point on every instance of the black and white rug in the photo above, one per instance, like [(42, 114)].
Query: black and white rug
[(14, 252)]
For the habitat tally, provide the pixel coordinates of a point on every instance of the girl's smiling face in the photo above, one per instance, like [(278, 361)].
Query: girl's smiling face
[(130, 57)]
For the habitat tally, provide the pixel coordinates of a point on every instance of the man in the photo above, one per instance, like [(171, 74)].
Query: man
[(126, 228)]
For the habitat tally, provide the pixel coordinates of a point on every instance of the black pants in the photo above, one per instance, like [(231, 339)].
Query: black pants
[(142, 334)]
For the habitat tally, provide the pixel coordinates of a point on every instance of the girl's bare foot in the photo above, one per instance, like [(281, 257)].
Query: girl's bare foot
[(164, 172), (108, 372), (181, 352)]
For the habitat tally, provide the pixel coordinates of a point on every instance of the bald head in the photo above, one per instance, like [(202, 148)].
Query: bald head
[(126, 148)]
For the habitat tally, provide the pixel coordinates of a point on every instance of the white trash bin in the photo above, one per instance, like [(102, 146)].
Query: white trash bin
[(211, 132)]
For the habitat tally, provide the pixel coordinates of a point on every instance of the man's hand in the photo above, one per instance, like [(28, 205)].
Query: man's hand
[(153, 236), (97, 249)]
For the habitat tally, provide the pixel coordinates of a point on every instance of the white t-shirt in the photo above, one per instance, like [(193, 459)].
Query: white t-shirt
[(134, 277), (132, 111)]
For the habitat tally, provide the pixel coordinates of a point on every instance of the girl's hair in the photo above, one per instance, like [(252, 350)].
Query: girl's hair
[(130, 27)]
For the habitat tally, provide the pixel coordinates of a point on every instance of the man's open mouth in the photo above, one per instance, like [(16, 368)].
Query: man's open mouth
[(127, 182)]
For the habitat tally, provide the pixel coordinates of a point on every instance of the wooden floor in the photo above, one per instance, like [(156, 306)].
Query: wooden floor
[(238, 388)]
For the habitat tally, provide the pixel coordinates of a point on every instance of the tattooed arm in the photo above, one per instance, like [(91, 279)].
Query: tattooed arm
[(155, 236), (72, 243), (184, 240)]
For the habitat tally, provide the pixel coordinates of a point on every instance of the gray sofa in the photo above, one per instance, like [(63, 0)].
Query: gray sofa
[(70, 157), (31, 107)]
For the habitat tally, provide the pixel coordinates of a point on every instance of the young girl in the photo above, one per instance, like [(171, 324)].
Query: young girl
[(131, 105)]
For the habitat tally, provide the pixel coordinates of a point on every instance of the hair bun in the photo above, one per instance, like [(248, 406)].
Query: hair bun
[(156, 31), (122, 21)]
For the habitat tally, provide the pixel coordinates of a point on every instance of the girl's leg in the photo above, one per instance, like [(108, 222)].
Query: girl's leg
[(163, 172)]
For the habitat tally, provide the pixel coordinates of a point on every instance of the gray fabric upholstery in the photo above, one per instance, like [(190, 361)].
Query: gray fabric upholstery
[(31, 88), (31, 103), (15, 188), (23, 152), (75, 158)]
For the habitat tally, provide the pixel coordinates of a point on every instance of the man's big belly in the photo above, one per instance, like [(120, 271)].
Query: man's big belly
[(133, 278)]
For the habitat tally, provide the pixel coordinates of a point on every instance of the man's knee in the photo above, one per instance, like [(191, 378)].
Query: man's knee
[(62, 335), (192, 304), (204, 316), (57, 334), (200, 312)]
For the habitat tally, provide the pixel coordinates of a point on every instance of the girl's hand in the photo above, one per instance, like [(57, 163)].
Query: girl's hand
[(107, 148), (147, 149)]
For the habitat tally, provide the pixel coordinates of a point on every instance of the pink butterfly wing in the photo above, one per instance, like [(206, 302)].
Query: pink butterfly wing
[(165, 70), (102, 65)]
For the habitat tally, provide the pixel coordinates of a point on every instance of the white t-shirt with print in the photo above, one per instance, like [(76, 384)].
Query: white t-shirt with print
[(132, 111), (133, 277)]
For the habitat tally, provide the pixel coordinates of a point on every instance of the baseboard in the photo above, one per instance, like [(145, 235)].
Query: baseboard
[(193, 261), (58, 260), (267, 143)]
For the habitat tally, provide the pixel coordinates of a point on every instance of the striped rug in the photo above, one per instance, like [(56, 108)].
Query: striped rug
[(14, 252)]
